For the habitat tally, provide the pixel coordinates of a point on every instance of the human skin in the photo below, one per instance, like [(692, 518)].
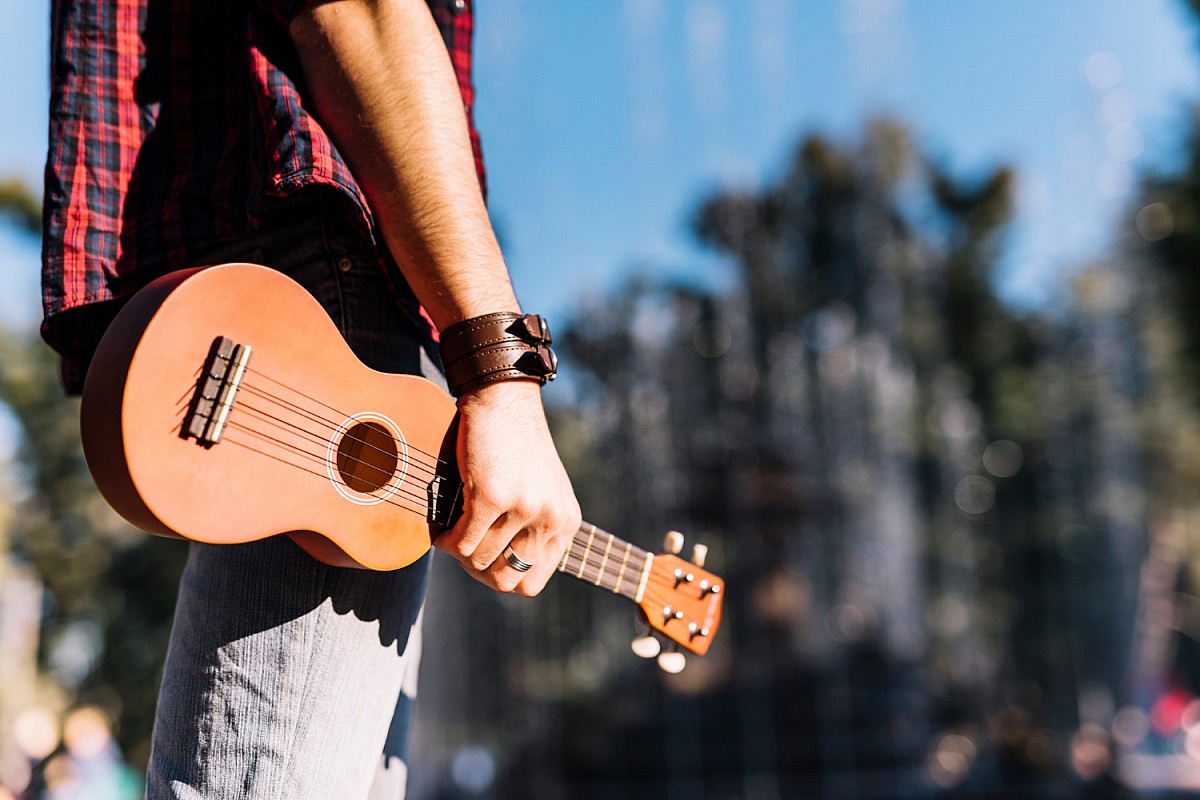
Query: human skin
[(382, 85)]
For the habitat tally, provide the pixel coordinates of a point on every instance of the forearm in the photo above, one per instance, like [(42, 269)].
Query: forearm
[(383, 87)]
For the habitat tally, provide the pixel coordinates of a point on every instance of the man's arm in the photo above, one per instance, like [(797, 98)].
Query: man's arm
[(383, 86)]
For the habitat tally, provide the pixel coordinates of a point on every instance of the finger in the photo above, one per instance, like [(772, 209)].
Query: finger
[(500, 536), (488, 551), (535, 580), (502, 572), (462, 540)]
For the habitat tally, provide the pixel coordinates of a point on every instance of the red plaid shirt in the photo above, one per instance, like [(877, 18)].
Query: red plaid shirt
[(168, 131)]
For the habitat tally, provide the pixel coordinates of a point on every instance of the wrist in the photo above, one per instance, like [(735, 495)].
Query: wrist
[(502, 393), (497, 347)]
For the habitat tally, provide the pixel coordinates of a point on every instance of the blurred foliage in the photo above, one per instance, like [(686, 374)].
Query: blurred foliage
[(929, 506), (1162, 239), (109, 589), (19, 204)]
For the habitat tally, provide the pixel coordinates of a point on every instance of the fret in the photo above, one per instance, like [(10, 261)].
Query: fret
[(624, 563), (604, 560), (562, 565), (587, 549)]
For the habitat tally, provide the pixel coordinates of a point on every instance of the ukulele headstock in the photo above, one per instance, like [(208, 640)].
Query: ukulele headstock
[(682, 603)]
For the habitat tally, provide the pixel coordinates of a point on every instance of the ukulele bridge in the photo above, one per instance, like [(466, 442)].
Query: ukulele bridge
[(216, 391)]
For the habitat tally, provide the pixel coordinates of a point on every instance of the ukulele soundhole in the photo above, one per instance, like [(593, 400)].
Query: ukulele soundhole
[(367, 457)]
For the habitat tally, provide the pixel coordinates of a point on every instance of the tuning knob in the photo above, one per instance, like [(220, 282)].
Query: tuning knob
[(645, 646), (672, 661), (699, 553), (673, 542)]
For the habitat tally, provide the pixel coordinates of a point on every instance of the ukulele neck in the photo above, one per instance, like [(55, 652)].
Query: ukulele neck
[(600, 558)]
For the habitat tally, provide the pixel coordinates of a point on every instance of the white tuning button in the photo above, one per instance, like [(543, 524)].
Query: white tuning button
[(672, 661), (673, 542), (699, 553), (645, 647)]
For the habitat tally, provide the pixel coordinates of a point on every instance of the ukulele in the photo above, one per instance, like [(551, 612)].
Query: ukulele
[(223, 406)]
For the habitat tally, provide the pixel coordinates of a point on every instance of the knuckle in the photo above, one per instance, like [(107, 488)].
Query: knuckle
[(484, 504), (566, 522), (523, 507), (463, 548), (506, 582), (570, 522), (528, 589), (560, 544), (478, 564)]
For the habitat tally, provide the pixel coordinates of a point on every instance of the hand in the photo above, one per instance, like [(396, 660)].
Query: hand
[(515, 490)]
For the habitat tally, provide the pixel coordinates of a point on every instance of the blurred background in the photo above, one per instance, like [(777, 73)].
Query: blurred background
[(887, 302)]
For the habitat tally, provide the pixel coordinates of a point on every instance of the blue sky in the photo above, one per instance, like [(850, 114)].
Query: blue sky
[(605, 122)]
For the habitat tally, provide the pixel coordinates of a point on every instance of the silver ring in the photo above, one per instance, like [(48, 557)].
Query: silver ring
[(515, 561)]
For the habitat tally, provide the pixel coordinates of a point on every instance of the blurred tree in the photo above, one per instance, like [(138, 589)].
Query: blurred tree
[(110, 589), (19, 204), (1160, 288), (855, 428)]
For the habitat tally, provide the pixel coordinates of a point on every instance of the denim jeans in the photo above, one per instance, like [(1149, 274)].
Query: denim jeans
[(287, 678)]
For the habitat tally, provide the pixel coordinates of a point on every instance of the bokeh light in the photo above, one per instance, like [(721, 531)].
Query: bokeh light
[(975, 495), (1155, 221), (1003, 458)]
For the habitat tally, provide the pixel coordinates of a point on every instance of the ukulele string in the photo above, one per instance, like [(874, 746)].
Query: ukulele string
[(313, 416), (329, 425), (283, 424), (285, 462), (610, 574), (613, 567), (616, 571), (321, 403), (619, 576), (401, 489), (402, 494), (318, 457), (590, 564), (593, 561)]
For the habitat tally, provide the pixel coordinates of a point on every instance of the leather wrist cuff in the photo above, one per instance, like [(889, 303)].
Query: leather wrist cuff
[(497, 347)]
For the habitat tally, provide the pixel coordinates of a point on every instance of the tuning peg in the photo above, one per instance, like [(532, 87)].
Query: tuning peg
[(672, 661), (699, 554), (673, 542), (645, 646)]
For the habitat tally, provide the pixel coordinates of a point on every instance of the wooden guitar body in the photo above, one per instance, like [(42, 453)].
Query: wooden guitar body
[(276, 467)]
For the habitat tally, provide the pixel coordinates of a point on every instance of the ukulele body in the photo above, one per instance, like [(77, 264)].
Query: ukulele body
[(314, 439)]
